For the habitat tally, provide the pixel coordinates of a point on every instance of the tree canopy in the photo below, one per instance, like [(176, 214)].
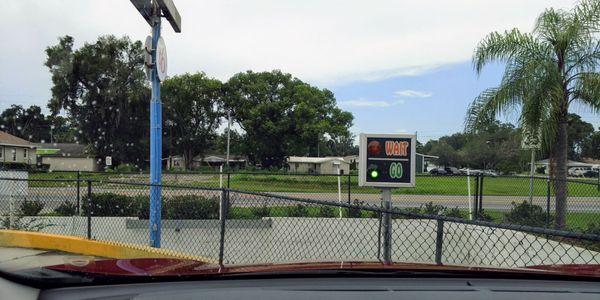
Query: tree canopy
[(193, 107), (101, 87), (281, 116)]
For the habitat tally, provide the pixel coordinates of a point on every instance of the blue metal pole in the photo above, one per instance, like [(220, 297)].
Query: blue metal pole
[(155, 143)]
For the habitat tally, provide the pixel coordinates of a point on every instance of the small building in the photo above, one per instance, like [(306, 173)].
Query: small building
[(423, 162), (317, 165), (16, 150), (353, 160), (66, 157), (217, 160), (570, 164)]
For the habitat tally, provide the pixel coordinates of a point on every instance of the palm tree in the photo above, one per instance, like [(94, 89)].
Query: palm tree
[(546, 71)]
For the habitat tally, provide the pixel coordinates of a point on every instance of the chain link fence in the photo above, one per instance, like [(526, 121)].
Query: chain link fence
[(236, 226)]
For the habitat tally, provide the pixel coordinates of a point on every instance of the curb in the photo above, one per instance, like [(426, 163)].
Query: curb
[(77, 245)]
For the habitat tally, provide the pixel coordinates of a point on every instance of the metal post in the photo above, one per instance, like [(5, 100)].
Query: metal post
[(439, 242), (480, 195), (531, 173), (548, 202), (78, 192), (476, 198), (339, 182), (155, 140), (89, 209), (349, 184), (228, 137), (223, 212), (386, 198)]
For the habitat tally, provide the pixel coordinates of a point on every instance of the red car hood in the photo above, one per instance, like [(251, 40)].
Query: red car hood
[(178, 267)]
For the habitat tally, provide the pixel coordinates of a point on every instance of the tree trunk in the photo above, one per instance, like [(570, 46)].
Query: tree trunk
[(560, 173), (187, 159)]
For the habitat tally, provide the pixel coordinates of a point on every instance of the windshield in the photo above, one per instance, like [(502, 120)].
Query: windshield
[(196, 138)]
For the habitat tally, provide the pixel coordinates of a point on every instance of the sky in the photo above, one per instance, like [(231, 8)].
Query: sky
[(398, 66)]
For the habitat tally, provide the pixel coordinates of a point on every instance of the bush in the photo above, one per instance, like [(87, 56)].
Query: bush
[(454, 213), (431, 209), (260, 212), (298, 211), (354, 211), (192, 207), (484, 216), (126, 168), (526, 214), (326, 211), (66, 209), (30, 207), (592, 228), (111, 205)]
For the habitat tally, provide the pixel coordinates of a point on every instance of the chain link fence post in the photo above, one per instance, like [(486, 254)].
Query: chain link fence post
[(349, 184), (476, 198), (548, 202), (78, 192), (223, 213), (386, 198), (89, 209), (479, 213), (439, 240)]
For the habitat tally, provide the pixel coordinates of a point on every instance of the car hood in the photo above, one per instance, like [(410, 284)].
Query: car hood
[(178, 267)]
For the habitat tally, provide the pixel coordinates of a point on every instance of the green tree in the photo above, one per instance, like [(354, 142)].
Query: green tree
[(29, 124), (283, 116), (578, 131), (591, 146), (193, 108), (102, 88), (448, 156), (546, 71)]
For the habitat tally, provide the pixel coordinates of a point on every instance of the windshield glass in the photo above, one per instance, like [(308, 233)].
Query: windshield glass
[(195, 138)]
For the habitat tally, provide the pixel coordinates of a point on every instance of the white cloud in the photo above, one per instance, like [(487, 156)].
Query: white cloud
[(370, 103), (324, 42), (365, 103), (412, 94)]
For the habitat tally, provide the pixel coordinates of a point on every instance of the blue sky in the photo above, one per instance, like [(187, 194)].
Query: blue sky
[(432, 104), (397, 65)]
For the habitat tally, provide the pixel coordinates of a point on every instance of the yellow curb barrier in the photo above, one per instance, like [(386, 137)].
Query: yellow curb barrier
[(77, 245)]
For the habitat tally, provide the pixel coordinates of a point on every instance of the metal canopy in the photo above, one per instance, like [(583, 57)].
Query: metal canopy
[(170, 11), (145, 9), (166, 6)]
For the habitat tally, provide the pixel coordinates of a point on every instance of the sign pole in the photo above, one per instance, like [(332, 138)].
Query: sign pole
[(386, 199), (155, 139)]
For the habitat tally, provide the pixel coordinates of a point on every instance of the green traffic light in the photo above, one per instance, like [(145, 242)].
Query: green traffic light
[(374, 174)]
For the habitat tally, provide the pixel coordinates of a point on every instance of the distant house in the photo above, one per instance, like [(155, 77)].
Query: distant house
[(353, 160), (66, 157), (16, 150), (209, 160), (217, 160), (317, 165)]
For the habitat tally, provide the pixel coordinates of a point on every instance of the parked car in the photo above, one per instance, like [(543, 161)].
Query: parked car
[(578, 171), (452, 171), (490, 173), (590, 174), (437, 171), (467, 171)]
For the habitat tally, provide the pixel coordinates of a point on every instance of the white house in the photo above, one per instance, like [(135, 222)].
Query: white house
[(318, 165), (16, 150)]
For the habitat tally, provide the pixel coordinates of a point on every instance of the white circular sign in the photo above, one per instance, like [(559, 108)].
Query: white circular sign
[(161, 59)]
